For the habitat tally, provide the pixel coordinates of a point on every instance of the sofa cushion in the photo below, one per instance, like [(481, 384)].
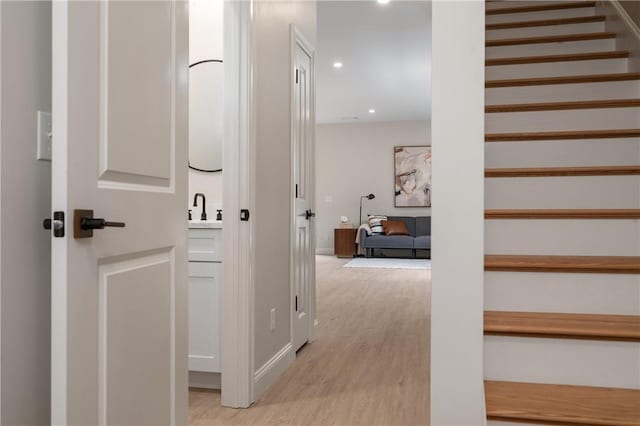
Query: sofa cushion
[(423, 225), (410, 221), (423, 242), (394, 227), (389, 241), (375, 224)]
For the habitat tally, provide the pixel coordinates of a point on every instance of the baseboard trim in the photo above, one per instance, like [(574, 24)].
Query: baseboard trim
[(204, 380), (324, 251), (266, 375)]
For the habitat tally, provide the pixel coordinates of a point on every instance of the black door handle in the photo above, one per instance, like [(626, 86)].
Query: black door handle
[(309, 214), (96, 223), (84, 224)]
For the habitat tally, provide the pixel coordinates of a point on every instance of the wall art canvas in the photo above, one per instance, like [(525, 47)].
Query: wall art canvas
[(412, 176)]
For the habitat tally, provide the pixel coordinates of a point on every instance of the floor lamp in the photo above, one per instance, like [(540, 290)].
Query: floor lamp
[(368, 197)]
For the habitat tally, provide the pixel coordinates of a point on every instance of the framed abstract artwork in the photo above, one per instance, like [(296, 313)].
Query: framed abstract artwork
[(412, 176)]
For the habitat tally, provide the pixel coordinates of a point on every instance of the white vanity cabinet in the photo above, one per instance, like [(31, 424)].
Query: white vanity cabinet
[(205, 287)]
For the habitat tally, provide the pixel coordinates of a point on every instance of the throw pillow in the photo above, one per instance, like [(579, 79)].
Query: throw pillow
[(395, 227), (375, 223)]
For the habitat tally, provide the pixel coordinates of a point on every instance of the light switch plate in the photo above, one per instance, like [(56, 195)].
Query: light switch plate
[(44, 136)]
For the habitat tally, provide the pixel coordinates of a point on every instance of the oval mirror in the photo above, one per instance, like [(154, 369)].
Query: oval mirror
[(206, 103)]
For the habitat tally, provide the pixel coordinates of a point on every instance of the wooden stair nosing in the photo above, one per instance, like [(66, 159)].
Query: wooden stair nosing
[(562, 106), (562, 38), (590, 56), (563, 264), (520, 172), (562, 135), (541, 7), (562, 404), (563, 325), (546, 22), (571, 79), (562, 214)]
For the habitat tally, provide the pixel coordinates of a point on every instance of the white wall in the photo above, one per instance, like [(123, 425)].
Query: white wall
[(25, 265), (457, 214), (355, 159), (272, 215), (205, 42)]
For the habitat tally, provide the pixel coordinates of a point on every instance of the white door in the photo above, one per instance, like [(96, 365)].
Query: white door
[(303, 259), (119, 298)]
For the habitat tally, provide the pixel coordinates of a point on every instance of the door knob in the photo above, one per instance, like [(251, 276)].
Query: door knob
[(309, 214), (84, 224)]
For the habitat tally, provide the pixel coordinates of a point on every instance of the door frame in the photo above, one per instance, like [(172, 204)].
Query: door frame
[(238, 289), (298, 39)]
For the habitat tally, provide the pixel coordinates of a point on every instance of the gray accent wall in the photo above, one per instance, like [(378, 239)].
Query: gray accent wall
[(25, 199)]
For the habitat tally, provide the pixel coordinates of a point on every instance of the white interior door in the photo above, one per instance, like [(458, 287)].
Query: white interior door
[(303, 259), (119, 314)]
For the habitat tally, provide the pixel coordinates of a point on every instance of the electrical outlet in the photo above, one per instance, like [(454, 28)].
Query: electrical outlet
[(44, 136), (272, 320)]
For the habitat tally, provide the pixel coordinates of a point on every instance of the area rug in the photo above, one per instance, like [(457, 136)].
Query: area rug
[(383, 263)]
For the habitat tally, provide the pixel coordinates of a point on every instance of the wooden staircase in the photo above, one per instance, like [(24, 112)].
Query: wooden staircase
[(544, 59)]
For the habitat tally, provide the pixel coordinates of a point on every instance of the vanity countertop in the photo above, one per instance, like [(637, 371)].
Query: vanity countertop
[(205, 224)]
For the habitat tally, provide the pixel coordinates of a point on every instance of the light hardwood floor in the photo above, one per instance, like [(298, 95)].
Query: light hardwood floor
[(368, 364)]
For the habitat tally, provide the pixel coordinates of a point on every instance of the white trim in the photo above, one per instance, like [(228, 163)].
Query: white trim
[(296, 38), (237, 332), (631, 26), (325, 251), (266, 375)]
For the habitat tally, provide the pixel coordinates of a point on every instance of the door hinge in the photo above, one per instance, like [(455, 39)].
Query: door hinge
[(296, 75), (296, 303), (296, 190), (244, 215)]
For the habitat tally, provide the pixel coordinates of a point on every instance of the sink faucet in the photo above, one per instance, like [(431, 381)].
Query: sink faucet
[(203, 216)]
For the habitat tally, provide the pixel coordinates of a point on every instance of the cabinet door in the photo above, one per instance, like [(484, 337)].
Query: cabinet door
[(204, 316)]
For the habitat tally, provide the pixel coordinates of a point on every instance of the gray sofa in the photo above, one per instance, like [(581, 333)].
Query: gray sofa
[(419, 238)]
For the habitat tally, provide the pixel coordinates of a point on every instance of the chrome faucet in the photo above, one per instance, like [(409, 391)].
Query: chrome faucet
[(203, 216)]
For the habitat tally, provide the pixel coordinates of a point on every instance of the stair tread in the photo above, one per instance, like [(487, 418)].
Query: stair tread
[(562, 404), (565, 325), (570, 79), (558, 106), (541, 7), (549, 263), (589, 56), (561, 38), (562, 135), (546, 22), (562, 171), (562, 214)]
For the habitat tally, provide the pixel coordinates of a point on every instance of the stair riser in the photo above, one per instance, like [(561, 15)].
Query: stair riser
[(562, 153), (563, 92), (591, 192), (556, 292), (501, 4), (540, 121), (562, 361), (590, 27), (550, 48), (535, 16), (579, 237), (556, 69)]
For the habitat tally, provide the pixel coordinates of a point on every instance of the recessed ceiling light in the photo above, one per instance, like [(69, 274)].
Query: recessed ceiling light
[(383, 1), (337, 64), (372, 111)]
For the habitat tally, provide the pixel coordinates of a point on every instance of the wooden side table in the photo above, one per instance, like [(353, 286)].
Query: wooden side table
[(344, 242)]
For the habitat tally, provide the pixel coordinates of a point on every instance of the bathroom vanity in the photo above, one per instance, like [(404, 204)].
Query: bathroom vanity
[(205, 287)]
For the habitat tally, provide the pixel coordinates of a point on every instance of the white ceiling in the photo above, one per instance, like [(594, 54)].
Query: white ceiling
[(386, 54)]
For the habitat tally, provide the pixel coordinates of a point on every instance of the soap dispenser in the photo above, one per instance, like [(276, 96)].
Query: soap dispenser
[(219, 215)]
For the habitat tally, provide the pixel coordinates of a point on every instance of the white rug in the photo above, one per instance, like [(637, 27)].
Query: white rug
[(382, 263)]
